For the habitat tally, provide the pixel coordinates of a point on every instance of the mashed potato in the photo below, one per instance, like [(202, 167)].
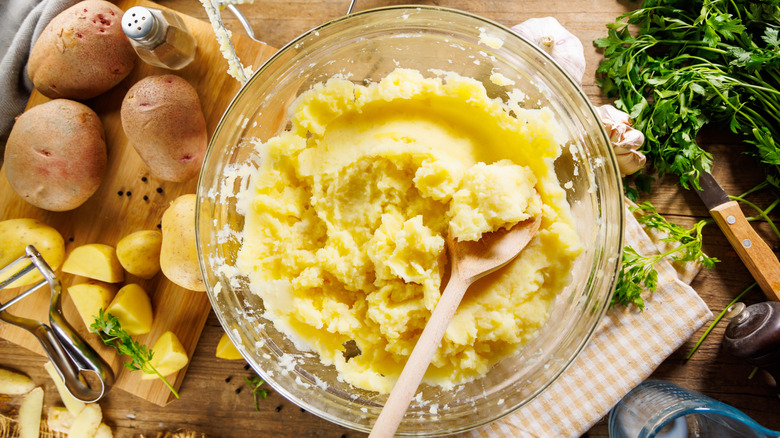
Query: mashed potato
[(347, 214)]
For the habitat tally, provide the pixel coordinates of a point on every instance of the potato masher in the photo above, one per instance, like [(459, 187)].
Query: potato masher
[(68, 352)]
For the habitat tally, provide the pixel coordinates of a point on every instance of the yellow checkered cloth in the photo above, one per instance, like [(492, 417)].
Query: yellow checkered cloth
[(625, 350)]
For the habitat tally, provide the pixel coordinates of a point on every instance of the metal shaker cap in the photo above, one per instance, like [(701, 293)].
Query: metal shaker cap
[(138, 22)]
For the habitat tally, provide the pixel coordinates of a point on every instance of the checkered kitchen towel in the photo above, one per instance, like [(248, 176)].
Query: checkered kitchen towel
[(625, 350)]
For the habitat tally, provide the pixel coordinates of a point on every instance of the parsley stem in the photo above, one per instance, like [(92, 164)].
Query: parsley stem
[(717, 320), (164, 380), (761, 213)]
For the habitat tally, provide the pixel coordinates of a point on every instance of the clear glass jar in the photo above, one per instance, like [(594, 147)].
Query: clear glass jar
[(159, 37), (366, 46)]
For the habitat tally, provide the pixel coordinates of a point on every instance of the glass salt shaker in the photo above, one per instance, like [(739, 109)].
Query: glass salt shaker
[(159, 37)]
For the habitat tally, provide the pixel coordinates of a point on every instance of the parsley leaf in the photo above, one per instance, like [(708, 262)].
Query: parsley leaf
[(676, 66), (638, 272), (254, 384), (110, 331)]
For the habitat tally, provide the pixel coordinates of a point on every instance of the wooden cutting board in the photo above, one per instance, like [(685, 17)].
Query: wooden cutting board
[(130, 199)]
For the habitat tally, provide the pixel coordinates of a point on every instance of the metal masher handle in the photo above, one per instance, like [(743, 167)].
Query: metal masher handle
[(69, 354)]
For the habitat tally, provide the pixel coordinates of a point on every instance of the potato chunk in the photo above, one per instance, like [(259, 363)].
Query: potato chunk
[(132, 308), (90, 297), (226, 349), (169, 356), (139, 253), (96, 261)]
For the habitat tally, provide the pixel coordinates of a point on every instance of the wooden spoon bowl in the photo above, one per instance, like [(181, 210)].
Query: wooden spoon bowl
[(469, 261)]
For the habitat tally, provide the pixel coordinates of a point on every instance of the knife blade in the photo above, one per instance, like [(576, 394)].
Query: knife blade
[(754, 252)]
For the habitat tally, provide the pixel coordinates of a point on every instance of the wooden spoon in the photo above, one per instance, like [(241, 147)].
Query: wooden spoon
[(469, 261)]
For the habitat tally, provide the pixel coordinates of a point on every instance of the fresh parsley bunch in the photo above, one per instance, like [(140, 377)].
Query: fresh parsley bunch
[(678, 65)]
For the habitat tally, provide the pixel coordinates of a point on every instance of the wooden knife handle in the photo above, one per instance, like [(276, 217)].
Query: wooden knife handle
[(751, 248)]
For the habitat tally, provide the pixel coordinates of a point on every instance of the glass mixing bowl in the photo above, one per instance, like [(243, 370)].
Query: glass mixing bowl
[(365, 47)]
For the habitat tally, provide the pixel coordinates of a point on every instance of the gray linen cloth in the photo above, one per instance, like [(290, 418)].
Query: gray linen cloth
[(21, 22)]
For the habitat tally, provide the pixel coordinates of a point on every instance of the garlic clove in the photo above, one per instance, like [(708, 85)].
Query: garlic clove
[(564, 47), (630, 162), (626, 140), (609, 113)]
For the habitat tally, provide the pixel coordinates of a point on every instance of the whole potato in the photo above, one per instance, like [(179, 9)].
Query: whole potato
[(55, 157), (82, 52), (139, 253), (179, 254), (162, 118)]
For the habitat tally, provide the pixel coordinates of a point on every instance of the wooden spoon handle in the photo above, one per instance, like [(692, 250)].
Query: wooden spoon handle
[(750, 247), (398, 402)]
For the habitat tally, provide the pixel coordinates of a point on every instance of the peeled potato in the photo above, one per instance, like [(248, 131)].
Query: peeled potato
[(90, 297), (169, 356), (96, 261), (132, 308), (226, 349), (16, 234)]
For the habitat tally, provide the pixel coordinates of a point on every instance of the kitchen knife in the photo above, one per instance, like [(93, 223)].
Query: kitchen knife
[(754, 252)]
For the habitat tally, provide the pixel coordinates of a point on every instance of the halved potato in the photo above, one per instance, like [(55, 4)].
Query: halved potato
[(90, 297), (96, 261), (132, 308), (169, 356)]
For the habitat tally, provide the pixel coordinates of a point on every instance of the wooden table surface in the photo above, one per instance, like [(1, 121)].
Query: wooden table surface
[(217, 402)]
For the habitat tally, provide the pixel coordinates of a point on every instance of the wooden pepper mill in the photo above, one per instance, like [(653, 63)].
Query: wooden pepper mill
[(754, 336)]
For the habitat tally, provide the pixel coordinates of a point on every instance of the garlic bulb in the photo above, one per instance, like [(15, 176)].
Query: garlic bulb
[(626, 140), (565, 48)]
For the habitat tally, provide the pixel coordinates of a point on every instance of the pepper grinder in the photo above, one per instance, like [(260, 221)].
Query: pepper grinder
[(159, 37), (754, 336)]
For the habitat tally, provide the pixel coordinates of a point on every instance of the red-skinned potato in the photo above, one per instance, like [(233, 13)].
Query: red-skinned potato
[(162, 118), (55, 157), (82, 52)]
